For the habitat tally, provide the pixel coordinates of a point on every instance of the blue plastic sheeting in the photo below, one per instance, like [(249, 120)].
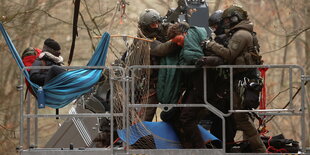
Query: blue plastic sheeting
[(162, 132), (66, 87)]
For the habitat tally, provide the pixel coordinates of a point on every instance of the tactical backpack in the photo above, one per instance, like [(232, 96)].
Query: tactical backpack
[(253, 54), (274, 144), (29, 55), (279, 144)]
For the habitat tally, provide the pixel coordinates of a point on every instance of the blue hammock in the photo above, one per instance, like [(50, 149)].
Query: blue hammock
[(65, 87)]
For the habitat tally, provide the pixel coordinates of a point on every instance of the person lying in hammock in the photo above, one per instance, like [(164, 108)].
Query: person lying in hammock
[(50, 56)]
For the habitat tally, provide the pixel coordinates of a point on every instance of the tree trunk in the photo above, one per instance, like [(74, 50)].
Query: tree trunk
[(307, 53), (216, 6)]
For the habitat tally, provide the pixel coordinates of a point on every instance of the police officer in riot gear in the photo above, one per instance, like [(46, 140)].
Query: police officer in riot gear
[(242, 49), (220, 79), (151, 26), (215, 22), (216, 25), (140, 52), (150, 23)]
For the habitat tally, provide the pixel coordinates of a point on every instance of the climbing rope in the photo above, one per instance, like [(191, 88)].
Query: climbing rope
[(122, 8), (144, 39)]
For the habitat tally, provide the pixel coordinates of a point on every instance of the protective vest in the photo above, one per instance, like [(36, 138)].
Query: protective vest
[(250, 55)]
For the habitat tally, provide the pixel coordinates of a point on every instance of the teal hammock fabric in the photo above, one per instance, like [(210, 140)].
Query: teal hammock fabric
[(69, 85)]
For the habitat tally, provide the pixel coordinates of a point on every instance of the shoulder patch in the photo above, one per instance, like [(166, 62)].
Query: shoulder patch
[(235, 44)]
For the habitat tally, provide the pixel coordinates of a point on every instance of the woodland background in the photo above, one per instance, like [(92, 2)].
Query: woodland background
[(282, 27)]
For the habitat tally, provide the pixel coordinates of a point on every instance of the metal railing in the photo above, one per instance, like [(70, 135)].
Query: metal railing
[(220, 114), (28, 116), (128, 83)]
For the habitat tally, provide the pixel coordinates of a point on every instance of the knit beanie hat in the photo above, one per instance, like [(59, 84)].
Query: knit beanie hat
[(50, 45)]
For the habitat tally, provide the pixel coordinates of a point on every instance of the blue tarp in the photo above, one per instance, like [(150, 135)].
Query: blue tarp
[(162, 132)]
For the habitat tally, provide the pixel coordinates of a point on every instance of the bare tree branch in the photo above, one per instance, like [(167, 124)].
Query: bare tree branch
[(299, 33), (104, 14), (279, 17), (113, 17), (90, 16), (88, 32), (279, 93), (293, 97)]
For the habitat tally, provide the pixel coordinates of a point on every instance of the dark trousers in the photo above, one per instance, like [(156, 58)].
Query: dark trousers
[(188, 118), (53, 72), (230, 129), (222, 102), (149, 112), (246, 124), (186, 125)]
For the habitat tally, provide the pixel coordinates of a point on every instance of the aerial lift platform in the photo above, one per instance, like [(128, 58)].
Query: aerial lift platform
[(77, 135)]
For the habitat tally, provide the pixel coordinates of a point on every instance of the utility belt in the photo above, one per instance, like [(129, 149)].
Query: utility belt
[(249, 88)]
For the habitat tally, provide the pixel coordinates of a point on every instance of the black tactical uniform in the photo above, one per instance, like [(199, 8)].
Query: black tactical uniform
[(222, 89), (160, 47), (242, 50)]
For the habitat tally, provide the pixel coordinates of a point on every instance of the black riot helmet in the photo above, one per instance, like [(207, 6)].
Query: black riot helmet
[(149, 16), (215, 18), (233, 15), (215, 22)]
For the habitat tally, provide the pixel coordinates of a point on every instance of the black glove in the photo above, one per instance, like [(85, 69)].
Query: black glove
[(200, 62), (209, 61), (170, 115), (204, 44)]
